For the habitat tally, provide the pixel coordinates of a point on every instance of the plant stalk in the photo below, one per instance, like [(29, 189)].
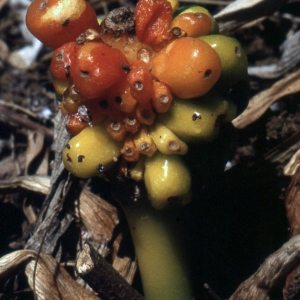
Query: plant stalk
[(159, 246)]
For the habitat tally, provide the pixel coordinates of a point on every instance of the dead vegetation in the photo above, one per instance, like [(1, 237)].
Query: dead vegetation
[(246, 215)]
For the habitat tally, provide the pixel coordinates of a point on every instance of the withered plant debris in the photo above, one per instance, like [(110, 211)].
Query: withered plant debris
[(247, 223), (104, 279)]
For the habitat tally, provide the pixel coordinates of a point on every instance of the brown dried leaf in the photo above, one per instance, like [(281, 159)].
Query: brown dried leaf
[(291, 168), (39, 184), (262, 101), (273, 271), (125, 267), (102, 277), (35, 140), (98, 216), (284, 152), (292, 204), (289, 59), (4, 50), (43, 168), (248, 9), (12, 166), (51, 280), (3, 3)]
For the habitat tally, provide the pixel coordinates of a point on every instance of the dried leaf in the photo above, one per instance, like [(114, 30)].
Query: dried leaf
[(35, 141), (4, 50), (3, 3), (43, 168), (292, 204), (12, 166), (291, 168), (52, 225), (102, 277), (282, 153), (248, 9), (125, 267), (262, 101), (273, 271), (51, 280), (289, 59), (98, 216), (39, 184)]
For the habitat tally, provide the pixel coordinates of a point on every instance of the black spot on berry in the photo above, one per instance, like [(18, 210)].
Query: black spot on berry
[(80, 158), (66, 22), (125, 67), (196, 116), (207, 73), (69, 159)]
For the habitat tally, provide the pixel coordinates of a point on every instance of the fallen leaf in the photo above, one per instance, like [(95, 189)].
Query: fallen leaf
[(289, 59), (35, 141), (262, 101), (249, 9), (273, 270), (291, 168), (51, 280)]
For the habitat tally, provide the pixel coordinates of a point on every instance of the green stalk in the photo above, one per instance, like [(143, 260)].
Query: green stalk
[(159, 247)]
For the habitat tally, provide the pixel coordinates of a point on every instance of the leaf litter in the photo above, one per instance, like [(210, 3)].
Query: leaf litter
[(58, 213)]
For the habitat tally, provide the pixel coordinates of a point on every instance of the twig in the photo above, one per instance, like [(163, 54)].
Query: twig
[(102, 277), (15, 119), (271, 273)]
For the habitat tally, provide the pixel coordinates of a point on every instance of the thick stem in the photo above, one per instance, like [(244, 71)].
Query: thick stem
[(159, 246)]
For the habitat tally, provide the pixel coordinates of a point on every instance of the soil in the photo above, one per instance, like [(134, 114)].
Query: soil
[(242, 216)]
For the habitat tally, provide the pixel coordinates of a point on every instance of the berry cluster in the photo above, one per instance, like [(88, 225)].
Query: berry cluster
[(140, 85)]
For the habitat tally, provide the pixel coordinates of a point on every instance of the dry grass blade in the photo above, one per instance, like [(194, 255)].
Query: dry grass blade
[(51, 279), (98, 217), (91, 209), (246, 9), (289, 59), (262, 101), (271, 273), (293, 165), (39, 184), (243, 14)]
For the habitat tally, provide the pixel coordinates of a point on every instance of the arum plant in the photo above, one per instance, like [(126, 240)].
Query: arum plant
[(137, 89)]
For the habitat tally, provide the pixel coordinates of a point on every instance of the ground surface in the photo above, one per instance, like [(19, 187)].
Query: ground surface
[(241, 216)]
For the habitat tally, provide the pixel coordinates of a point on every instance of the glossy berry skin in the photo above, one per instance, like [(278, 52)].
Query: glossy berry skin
[(62, 59), (199, 10), (74, 124), (190, 67), (167, 180), (96, 68), (152, 19), (56, 22), (199, 119), (90, 151), (140, 81), (193, 24), (233, 58)]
